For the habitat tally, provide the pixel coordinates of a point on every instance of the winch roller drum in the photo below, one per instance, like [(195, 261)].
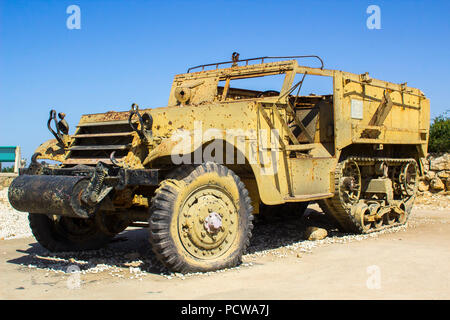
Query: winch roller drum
[(55, 195)]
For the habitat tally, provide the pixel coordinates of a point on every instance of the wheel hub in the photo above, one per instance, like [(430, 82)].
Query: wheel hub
[(208, 223), (213, 222), (349, 183)]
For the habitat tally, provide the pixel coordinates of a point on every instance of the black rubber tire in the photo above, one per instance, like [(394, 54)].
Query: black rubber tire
[(54, 237), (111, 224), (164, 233)]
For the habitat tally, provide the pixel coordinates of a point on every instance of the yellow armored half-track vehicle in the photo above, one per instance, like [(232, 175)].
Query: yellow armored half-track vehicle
[(196, 171)]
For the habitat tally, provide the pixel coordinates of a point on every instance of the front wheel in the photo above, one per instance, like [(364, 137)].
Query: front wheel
[(58, 233), (201, 221)]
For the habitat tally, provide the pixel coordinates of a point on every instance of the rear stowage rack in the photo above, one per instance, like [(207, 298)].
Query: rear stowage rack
[(235, 61)]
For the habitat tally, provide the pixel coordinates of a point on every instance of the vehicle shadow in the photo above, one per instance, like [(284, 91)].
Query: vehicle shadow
[(286, 229), (131, 248)]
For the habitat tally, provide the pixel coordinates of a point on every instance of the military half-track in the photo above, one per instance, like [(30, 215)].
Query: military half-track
[(196, 171)]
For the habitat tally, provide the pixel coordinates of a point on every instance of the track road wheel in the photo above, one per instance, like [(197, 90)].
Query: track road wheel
[(57, 233), (361, 213), (374, 209), (389, 218), (201, 221)]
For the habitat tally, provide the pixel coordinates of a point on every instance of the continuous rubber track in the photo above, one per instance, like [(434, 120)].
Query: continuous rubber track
[(334, 207), (162, 211)]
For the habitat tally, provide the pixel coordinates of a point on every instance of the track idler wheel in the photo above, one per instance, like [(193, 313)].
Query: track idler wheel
[(408, 179), (399, 214)]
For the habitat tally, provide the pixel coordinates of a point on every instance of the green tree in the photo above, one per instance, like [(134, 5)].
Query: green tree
[(440, 134), (8, 169)]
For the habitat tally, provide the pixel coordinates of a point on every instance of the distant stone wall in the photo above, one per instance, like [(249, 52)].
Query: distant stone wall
[(436, 177), (6, 179)]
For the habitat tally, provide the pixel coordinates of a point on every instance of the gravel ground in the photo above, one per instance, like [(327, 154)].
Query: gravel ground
[(129, 254), (13, 224)]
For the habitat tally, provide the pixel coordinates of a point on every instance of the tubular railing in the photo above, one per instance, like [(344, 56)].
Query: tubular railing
[(217, 64)]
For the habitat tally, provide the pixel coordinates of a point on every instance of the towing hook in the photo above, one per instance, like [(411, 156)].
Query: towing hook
[(113, 160), (62, 127), (145, 121), (34, 158), (56, 134)]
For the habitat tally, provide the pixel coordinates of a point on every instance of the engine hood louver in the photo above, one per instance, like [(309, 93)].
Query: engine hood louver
[(94, 142)]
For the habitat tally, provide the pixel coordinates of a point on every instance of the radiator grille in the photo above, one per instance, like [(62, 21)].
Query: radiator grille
[(97, 140)]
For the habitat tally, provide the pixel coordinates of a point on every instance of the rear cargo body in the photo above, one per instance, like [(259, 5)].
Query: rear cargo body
[(378, 112)]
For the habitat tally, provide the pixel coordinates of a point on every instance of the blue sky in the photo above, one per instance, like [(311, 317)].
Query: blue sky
[(129, 51)]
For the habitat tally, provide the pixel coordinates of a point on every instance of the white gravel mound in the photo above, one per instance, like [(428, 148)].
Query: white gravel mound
[(13, 224)]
